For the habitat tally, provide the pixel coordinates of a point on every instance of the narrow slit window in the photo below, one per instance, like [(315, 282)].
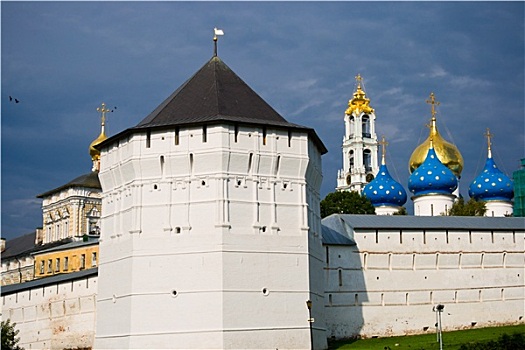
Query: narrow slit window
[(236, 133), (177, 136), (289, 138), (204, 133), (250, 160), (264, 136), (148, 139)]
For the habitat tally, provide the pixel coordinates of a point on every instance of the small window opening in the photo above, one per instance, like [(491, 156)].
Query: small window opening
[(177, 135), (148, 139), (236, 133), (289, 138), (204, 133), (264, 136), (340, 275)]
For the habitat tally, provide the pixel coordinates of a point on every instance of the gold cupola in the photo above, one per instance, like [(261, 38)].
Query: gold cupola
[(447, 153), (359, 103), (93, 152)]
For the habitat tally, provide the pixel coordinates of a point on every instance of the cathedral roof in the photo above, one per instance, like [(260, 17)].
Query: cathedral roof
[(215, 94), (432, 177), (89, 180), (384, 190)]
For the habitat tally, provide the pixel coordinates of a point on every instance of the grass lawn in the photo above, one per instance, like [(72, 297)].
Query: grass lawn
[(451, 340)]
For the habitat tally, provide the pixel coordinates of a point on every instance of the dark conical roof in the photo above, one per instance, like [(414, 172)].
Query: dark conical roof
[(214, 94)]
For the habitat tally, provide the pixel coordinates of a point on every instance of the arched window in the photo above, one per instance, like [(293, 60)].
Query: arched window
[(352, 127), (366, 126), (367, 159), (351, 158)]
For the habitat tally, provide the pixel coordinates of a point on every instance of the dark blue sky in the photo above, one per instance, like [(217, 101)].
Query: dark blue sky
[(62, 59)]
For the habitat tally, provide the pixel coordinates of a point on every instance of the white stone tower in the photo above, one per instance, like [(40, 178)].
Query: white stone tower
[(360, 144), (211, 224)]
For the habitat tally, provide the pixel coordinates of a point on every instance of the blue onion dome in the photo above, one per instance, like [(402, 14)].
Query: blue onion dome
[(384, 190), (491, 184), (432, 177)]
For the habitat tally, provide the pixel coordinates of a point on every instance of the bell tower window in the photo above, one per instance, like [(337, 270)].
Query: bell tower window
[(367, 160), (366, 126)]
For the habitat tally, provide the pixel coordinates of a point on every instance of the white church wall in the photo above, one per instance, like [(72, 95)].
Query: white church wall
[(389, 288), (499, 208), (60, 315)]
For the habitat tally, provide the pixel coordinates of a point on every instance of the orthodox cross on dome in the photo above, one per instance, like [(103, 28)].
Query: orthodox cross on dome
[(358, 80), (359, 103), (216, 32), (383, 144), (103, 110), (489, 143), (432, 101)]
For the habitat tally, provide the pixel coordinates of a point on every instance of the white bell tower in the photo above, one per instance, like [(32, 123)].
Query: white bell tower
[(360, 162)]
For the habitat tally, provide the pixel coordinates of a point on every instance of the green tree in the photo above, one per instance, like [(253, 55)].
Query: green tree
[(401, 211), (9, 339), (471, 208), (346, 203)]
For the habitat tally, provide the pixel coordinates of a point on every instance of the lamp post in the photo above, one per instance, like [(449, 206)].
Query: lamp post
[(310, 321), (438, 309)]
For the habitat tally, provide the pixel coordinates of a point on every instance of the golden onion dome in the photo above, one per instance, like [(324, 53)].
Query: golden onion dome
[(359, 103), (447, 153), (93, 152)]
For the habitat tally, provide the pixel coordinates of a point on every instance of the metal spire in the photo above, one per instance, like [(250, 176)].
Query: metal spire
[(216, 32)]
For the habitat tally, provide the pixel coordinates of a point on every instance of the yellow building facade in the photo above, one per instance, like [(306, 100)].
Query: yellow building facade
[(67, 258)]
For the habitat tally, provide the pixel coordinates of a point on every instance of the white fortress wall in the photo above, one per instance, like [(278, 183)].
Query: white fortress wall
[(54, 312), (388, 283), (200, 228)]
